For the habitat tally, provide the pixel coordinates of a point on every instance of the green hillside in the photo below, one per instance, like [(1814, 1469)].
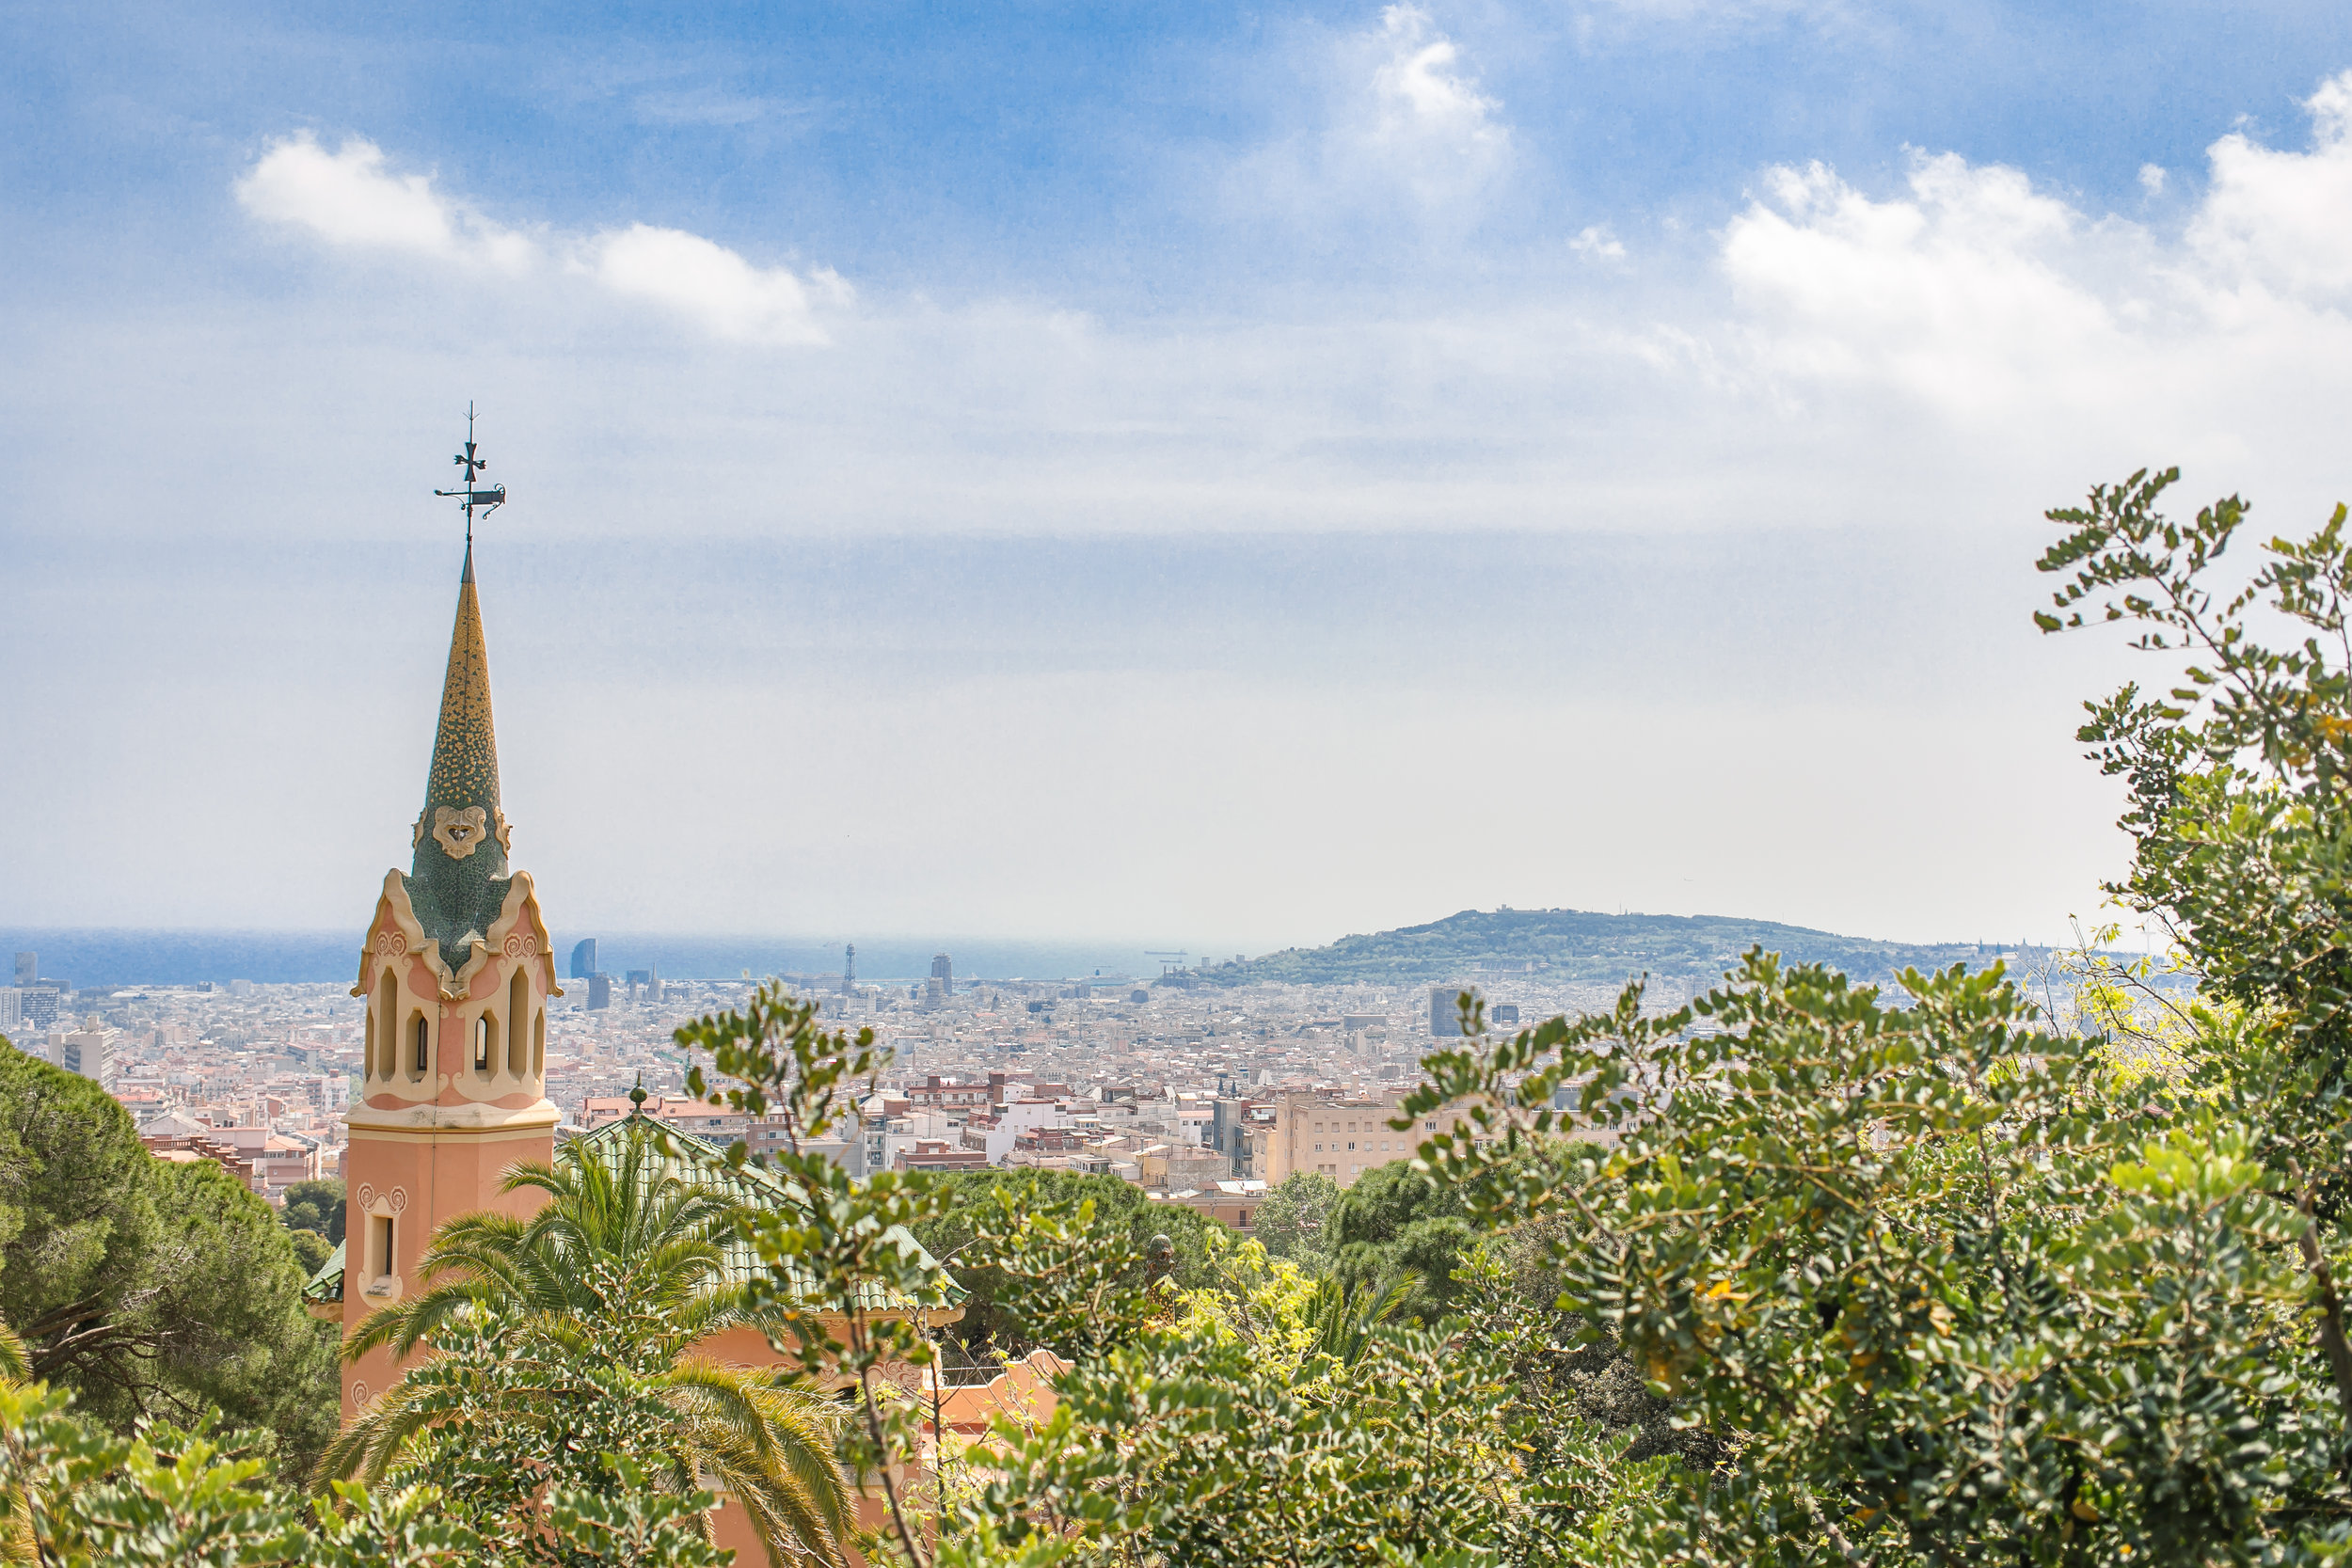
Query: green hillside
[(1579, 945)]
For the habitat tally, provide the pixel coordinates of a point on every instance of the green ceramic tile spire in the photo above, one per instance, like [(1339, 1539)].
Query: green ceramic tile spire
[(459, 878)]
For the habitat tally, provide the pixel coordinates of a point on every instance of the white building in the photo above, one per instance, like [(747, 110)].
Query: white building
[(89, 1052)]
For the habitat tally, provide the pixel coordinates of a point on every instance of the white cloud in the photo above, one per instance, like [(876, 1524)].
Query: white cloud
[(1423, 92), (2284, 220), (708, 283), (1961, 294), (1599, 243), (2151, 178), (346, 198), (349, 199), (1976, 313)]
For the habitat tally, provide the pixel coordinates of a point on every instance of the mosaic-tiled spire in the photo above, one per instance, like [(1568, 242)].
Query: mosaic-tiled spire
[(459, 878)]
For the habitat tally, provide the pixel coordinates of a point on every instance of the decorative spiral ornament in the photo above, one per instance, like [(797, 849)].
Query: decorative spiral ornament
[(399, 1199), (383, 942), (514, 945), (359, 1396), (530, 946), (367, 1196), (400, 944)]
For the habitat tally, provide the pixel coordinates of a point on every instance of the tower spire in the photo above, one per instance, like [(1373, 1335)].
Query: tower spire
[(457, 879)]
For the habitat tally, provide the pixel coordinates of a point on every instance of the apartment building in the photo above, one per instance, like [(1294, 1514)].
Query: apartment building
[(1341, 1135)]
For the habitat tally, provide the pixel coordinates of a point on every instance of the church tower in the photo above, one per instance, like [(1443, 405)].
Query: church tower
[(457, 971)]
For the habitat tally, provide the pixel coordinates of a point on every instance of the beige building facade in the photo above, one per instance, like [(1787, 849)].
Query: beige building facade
[(1341, 1136)]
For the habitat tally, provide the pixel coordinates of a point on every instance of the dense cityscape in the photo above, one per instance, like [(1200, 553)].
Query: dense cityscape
[(1197, 1093)]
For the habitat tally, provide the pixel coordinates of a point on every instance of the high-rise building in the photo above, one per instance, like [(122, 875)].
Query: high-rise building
[(12, 1008), (944, 970), (1445, 1010), (28, 968), (599, 991), (583, 959), (458, 973), (88, 1052), (37, 1006)]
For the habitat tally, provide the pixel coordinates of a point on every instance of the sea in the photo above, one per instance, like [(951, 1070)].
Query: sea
[(90, 958)]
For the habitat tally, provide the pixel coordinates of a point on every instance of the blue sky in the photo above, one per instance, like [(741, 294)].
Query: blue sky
[(1227, 477)]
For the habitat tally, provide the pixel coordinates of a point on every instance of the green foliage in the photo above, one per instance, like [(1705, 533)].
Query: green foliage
[(190, 1499), (566, 1342), (316, 1206), (1242, 1419), (150, 1288), (615, 1240), (634, 1524), (1951, 1302), (1175, 1449), (1294, 1220), (1395, 1224), (979, 1209), (311, 1250), (1344, 1319), (842, 1268), (508, 1408)]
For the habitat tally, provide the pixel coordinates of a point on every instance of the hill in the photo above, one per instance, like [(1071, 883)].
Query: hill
[(1580, 946)]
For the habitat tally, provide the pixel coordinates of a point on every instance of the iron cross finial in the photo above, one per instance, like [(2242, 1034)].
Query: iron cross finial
[(471, 497)]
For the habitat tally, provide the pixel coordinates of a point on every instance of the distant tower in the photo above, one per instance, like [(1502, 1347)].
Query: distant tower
[(583, 959), (1445, 1010), (28, 968), (457, 971), (848, 971), (944, 970)]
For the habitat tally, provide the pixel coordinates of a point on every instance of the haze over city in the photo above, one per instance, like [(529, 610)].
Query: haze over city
[(1219, 480)]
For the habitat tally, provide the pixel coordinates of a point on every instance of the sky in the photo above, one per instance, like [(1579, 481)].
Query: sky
[(1205, 477)]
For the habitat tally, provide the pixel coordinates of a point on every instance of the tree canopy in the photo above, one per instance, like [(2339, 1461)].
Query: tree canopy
[(153, 1290)]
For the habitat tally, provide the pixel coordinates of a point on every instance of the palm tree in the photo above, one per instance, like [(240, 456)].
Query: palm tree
[(599, 1299), (1344, 1319)]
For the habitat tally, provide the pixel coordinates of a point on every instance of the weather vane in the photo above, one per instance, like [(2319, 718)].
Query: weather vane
[(473, 463)]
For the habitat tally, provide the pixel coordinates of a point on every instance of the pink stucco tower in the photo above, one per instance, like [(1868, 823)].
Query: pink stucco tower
[(457, 971)]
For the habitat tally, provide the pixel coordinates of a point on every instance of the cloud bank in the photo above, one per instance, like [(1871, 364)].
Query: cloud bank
[(350, 199)]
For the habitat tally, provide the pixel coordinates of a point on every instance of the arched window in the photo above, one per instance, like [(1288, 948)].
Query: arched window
[(384, 1052), (484, 1029), (425, 1044), (518, 1024)]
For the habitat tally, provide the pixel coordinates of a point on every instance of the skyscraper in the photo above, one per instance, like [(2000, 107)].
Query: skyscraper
[(28, 968), (1445, 1010), (583, 959), (944, 970)]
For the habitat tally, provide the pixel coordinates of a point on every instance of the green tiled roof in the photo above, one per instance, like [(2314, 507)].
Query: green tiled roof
[(328, 1284), (456, 896), (692, 1160)]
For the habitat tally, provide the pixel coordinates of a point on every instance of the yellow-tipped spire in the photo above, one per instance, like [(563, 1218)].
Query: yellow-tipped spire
[(461, 835)]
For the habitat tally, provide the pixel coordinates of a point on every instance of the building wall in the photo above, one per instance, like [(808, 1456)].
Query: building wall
[(1341, 1136), (429, 1144)]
